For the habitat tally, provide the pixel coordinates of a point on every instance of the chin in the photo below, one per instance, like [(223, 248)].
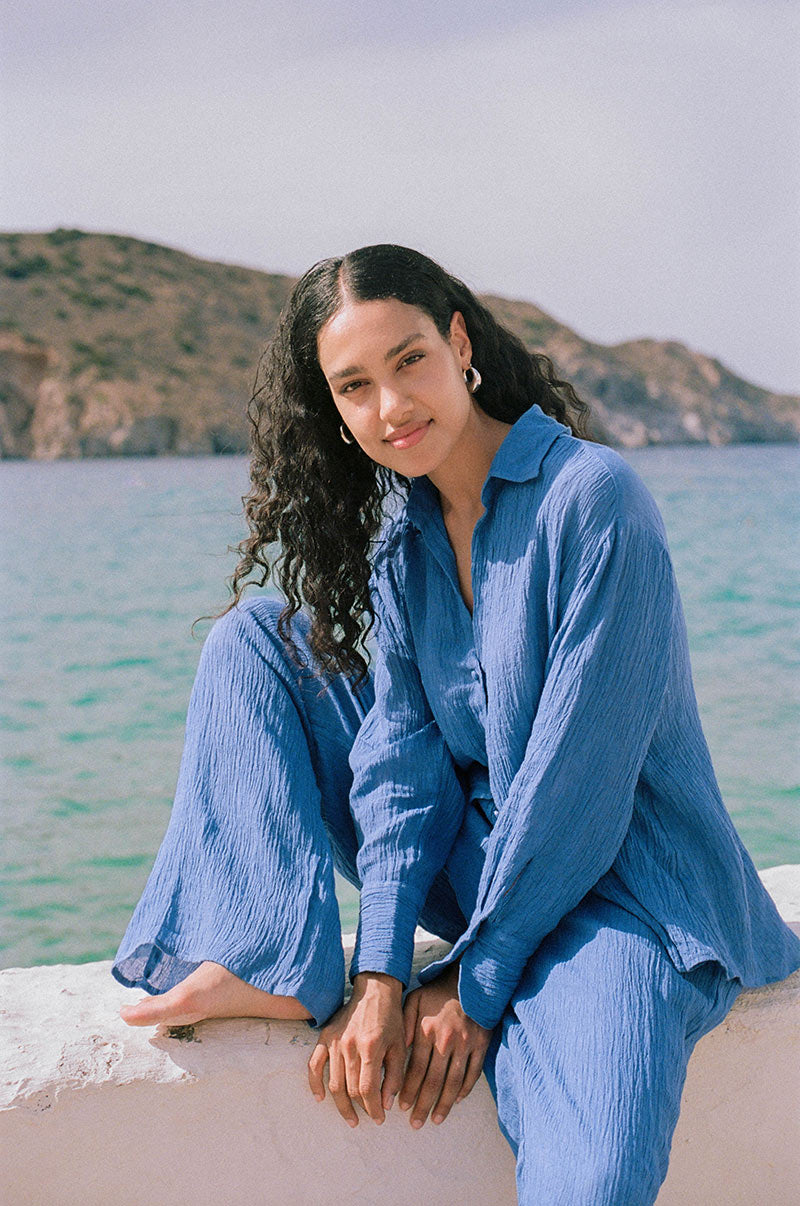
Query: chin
[(416, 466)]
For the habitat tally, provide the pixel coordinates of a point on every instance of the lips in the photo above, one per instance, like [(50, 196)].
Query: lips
[(410, 435)]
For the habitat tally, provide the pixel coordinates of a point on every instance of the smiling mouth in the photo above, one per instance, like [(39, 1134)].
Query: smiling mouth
[(410, 437)]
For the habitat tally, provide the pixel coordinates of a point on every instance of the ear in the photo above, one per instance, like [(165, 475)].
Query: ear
[(460, 339)]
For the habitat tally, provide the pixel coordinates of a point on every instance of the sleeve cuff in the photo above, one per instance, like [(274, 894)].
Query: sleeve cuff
[(489, 972), (387, 920)]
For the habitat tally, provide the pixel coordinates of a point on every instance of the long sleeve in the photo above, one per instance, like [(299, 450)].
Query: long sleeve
[(570, 803), (406, 799)]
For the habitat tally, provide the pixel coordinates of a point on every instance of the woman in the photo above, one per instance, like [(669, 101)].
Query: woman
[(525, 774)]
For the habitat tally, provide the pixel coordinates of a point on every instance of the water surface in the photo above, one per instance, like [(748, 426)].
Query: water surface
[(105, 563)]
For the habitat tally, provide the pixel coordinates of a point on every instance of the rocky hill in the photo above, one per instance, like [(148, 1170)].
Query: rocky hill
[(110, 346)]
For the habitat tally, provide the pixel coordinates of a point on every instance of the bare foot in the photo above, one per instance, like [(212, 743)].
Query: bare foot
[(211, 991)]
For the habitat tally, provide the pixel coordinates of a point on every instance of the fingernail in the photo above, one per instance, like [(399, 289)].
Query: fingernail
[(318, 1097), (438, 1118), (390, 1102), (404, 1105), (352, 1122), (416, 1123)]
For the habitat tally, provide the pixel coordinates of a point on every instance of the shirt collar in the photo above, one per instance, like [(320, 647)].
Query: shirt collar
[(518, 459)]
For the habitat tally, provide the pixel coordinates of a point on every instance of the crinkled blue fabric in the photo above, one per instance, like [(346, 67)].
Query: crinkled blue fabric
[(588, 1063), (244, 875), (500, 764), (567, 691), (530, 782)]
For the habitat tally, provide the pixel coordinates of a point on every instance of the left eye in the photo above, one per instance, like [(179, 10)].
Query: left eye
[(413, 358)]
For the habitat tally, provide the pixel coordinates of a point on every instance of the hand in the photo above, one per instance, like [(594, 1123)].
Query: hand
[(362, 1037), (448, 1049)]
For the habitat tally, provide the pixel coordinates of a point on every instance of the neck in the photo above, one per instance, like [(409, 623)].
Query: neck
[(459, 479)]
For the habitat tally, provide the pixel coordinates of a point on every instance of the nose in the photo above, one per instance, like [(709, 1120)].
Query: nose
[(394, 407)]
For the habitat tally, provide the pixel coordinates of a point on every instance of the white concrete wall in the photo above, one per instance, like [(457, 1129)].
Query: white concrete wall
[(97, 1113)]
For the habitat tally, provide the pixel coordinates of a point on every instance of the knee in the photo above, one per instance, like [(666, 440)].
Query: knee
[(251, 629), (233, 637), (261, 610)]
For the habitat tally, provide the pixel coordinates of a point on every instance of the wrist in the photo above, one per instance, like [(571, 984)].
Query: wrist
[(369, 981)]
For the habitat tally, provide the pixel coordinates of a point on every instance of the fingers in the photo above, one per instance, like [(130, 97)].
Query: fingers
[(410, 1015), (451, 1088), (369, 1088), (439, 1075), (394, 1071), (447, 1079), (415, 1073), (316, 1067), (356, 1062), (433, 1080), (374, 1063), (472, 1073), (338, 1087), (431, 1088)]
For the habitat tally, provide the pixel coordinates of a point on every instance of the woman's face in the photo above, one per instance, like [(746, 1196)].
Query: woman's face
[(397, 384)]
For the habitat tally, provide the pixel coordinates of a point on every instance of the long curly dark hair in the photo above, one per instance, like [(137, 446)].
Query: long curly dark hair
[(316, 504)]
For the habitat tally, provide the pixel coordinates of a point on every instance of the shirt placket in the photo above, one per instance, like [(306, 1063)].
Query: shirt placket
[(438, 542)]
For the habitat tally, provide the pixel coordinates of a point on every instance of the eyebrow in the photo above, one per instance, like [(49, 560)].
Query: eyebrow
[(395, 351)]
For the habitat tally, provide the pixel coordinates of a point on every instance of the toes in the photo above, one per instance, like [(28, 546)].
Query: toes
[(138, 1015)]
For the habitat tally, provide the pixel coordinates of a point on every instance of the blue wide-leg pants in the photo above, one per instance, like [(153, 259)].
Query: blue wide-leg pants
[(588, 1063)]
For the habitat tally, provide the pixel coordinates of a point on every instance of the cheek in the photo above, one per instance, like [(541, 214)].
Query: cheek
[(455, 407), (361, 422), (348, 413), (438, 382)]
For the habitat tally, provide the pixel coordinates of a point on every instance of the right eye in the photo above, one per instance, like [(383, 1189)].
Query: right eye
[(350, 387)]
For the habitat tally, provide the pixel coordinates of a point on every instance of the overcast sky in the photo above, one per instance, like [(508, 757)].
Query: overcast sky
[(631, 167)]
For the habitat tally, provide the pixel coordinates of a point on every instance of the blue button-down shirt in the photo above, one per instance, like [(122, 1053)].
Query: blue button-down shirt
[(564, 704)]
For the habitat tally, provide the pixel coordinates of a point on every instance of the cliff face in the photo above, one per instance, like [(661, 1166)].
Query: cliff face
[(110, 346), (43, 417), (649, 392), (114, 347)]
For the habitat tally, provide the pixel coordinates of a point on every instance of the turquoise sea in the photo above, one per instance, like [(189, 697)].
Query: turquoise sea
[(105, 563)]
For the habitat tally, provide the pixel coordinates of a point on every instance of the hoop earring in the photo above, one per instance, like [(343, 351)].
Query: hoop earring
[(344, 435), (473, 380)]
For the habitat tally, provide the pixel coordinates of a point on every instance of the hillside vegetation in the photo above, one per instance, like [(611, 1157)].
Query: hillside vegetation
[(114, 346)]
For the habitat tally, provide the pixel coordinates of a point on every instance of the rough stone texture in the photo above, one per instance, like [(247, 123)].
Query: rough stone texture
[(97, 1113)]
